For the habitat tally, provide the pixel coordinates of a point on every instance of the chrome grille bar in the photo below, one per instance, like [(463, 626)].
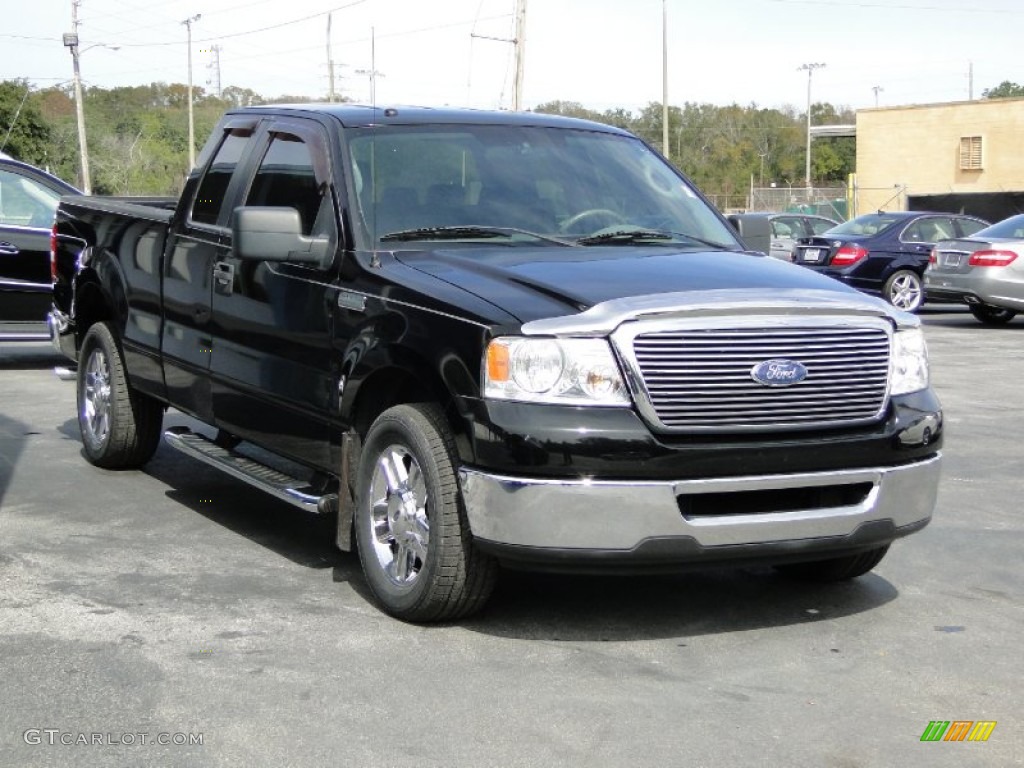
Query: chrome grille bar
[(697, 377)]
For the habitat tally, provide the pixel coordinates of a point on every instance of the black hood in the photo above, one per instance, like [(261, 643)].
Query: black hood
[(537, 283)]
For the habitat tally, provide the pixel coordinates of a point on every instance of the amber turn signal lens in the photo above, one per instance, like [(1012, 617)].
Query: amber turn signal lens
[(497, 362)]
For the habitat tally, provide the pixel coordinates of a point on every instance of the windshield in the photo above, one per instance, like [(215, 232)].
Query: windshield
[(565, 185), (868, 224)]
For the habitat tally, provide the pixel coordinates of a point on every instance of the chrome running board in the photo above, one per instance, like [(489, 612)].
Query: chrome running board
[(293, 490)]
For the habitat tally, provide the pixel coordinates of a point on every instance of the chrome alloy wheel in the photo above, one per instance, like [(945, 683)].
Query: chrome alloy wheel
[(399, 517), (96, 398), (905, 291)]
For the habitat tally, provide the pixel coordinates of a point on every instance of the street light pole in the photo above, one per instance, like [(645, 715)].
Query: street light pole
[(71, 42), (191, 113), (809, 68), (664, 79), (520, 43)]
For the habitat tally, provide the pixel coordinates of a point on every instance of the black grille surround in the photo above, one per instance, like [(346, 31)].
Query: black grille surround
[(697, 376)]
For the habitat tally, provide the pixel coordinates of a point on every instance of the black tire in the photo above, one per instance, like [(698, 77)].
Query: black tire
[(836, 568), (120, 427), (904, 290), (418, 557), (990, 315)]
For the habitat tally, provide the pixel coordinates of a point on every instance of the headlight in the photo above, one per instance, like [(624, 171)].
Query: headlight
[(566, 371), (909, 366)]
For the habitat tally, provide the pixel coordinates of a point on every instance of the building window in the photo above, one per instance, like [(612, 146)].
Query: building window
[(970, 153)]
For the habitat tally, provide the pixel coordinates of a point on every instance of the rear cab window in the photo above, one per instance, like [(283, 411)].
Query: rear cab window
[(212, 191)]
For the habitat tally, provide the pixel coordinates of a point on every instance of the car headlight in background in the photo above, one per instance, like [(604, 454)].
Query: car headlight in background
[(566, 371), (909, 362)]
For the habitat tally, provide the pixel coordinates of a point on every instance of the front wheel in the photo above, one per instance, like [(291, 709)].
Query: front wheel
[(414, 541), (836, 568), (903, 290), (120, 427), (990, 315)]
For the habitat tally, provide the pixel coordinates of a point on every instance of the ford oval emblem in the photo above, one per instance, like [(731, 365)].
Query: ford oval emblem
[(778, 373)]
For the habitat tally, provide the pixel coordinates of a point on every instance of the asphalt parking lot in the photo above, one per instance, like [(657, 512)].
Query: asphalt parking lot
[(177, 605)]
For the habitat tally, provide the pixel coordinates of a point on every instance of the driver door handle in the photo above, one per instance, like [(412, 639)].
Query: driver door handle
[(9, 249)]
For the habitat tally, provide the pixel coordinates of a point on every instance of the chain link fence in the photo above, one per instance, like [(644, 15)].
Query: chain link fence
[(821, 201)]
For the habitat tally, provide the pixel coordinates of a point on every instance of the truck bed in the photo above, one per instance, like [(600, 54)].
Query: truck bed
[(151, 208)]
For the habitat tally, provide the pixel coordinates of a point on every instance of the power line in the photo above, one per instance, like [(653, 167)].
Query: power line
[(28, 37), (890, 6), (253, 31)]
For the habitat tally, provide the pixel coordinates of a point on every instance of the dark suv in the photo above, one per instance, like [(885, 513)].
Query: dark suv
[(884, 253)]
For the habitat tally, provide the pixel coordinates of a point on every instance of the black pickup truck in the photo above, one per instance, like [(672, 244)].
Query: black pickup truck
[(487, 339)]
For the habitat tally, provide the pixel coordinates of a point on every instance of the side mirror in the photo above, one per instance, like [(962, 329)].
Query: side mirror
[(275, 234)]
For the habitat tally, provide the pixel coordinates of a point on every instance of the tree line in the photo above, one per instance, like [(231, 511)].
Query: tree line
[(138, 135)]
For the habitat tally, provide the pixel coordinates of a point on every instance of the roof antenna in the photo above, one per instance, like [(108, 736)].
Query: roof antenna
[(375, 258)]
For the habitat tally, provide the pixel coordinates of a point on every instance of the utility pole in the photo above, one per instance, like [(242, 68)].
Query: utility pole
[(214, 66), (520, 43), (330, 63), (664, 79), (970, 81), (877, 89), (71, 42), (809, 68), (191, 112)]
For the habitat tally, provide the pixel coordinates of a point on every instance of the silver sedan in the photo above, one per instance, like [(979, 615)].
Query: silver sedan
[(985, 270)]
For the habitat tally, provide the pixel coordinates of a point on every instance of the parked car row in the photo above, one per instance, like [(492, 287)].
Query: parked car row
[(884, 253), (28, 201), (907, 256)]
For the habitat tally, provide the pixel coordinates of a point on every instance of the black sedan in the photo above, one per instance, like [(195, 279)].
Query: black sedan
[(884, 253), (28, 199)]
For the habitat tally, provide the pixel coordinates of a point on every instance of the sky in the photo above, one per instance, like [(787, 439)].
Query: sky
[(604, 54)]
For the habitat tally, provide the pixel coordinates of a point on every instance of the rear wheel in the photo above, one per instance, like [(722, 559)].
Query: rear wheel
[(990, 315), (903, 290), (836, 568), (414, 541), (120, 427)]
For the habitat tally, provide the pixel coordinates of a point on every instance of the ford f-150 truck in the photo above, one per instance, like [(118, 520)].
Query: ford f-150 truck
[(486, 339)]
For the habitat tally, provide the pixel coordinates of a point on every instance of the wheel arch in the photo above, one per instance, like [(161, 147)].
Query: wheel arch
[(92, 305), (395, 374)]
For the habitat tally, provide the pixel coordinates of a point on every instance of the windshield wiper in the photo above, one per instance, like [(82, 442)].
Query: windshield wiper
[(630, 236), (465, 233), (708, 243), (625, 236)]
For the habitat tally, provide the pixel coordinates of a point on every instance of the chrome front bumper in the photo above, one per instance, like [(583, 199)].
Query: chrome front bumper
[(596, 515)]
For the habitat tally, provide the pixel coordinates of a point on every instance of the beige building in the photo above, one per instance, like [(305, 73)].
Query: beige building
[(957, 157)]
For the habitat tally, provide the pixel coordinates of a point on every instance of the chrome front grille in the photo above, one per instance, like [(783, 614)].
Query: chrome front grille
[(700, 378)]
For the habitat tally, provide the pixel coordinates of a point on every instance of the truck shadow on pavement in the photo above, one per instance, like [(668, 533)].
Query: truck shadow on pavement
[(29, 356), (538, 606), (532, 606), (303, 538), (557, 607), (13, 435)]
